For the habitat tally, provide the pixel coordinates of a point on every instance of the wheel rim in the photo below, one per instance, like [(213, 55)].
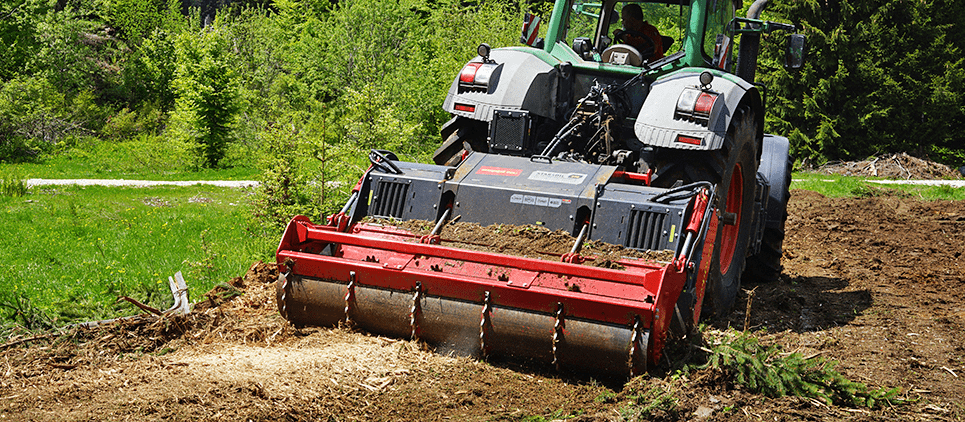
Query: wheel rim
[(729, 233)]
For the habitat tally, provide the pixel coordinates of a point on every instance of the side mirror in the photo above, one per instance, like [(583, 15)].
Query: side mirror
[(796, 51)]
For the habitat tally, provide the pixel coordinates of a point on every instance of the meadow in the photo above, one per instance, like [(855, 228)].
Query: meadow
[(67, 253)]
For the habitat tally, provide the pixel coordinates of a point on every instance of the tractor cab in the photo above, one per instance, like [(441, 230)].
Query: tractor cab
[(634, 34)]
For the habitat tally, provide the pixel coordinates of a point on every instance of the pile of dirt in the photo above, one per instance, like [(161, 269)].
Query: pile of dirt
[(894, 166), (875, 284), (529, 241)]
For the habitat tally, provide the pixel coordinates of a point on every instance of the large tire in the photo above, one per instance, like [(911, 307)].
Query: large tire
[(450, 152), (765, 266), (733, 168)]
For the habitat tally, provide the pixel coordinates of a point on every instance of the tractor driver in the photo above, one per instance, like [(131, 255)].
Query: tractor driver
[(636, 29)]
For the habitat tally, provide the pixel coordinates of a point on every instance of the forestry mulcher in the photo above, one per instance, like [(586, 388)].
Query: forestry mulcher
[(591, 131)]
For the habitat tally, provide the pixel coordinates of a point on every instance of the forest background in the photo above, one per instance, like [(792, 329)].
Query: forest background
[(299, 90)]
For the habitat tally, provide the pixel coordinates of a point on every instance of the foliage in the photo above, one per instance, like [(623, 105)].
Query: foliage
[(18, 30), (371, 120), (145, 82), (766, 370), (654, 401), (14, 186), (137, 19), (207, 100), (288, 186), (35, 116), (881, 76)]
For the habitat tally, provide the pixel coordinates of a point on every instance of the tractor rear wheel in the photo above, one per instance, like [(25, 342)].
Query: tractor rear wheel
[(765, 266), (733, 168)]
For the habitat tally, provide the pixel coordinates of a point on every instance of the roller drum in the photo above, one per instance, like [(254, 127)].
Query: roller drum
[(465, 327)]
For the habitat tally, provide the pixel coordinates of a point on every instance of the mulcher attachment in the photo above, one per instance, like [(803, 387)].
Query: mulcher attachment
[(389, 281)]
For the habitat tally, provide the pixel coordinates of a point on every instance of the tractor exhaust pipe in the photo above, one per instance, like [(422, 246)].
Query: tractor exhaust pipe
[(750, 45)]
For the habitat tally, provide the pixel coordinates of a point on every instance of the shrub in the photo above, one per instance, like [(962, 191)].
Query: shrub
[(146, 79), (764, 369), (371, 120), (143, 153), (12, 185), (289, 186), (32, 118), (137, 19), (208, 99)]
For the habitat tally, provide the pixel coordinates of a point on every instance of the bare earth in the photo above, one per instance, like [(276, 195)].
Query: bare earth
[(875, 283)]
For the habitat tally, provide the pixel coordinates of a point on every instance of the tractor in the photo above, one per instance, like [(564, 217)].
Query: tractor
[(594, 129)]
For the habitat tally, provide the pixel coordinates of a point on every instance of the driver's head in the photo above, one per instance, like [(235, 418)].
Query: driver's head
[(632, 16)]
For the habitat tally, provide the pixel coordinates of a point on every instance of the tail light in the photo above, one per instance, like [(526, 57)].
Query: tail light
[(478, 77), (696, 105)]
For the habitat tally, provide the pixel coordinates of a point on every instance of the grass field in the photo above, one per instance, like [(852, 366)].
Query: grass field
[(63, 167), (848, 186), (67, 253)]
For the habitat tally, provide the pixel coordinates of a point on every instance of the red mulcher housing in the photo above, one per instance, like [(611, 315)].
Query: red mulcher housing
[(389, 281)]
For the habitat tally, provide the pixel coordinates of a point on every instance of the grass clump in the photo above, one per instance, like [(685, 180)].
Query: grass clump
[(768, 371), (18, 310), (13, 186), (653, 402)]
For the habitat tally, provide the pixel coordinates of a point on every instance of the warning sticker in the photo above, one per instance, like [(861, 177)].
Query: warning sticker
[(498, 171), (549, 176), (540, 201)]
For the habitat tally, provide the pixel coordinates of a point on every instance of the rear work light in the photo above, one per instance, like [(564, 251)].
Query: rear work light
[(696, 105), (478, 77)]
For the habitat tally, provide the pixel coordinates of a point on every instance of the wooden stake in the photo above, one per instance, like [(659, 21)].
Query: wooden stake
[(747, 312)]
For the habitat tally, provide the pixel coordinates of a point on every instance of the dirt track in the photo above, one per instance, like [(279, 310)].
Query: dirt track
[(874, 283)]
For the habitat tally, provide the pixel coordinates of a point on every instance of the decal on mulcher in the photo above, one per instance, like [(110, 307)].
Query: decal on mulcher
[(549, 176), (498, 171), (539, 201)]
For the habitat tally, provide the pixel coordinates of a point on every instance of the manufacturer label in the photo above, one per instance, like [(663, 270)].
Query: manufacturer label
[(549, 176), (498, 171)]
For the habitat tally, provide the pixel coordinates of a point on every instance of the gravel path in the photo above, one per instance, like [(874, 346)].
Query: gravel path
[(934, 182), (952, 183), (140, 183)]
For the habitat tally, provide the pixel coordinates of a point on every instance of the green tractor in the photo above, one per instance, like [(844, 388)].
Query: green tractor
[(685, 111), (655, 147)]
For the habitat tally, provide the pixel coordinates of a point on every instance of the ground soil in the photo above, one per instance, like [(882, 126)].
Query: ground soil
[(530, 241), (874, 283)]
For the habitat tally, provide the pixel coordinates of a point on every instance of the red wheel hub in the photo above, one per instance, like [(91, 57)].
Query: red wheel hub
[(729, 232)]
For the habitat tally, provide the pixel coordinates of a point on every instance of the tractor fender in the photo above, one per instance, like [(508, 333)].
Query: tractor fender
[(525, 79), (660, 125)]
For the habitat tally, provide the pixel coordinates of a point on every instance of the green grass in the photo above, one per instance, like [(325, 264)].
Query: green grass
[(143, 157), (68, 253), (836, 186), (67, 167)]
